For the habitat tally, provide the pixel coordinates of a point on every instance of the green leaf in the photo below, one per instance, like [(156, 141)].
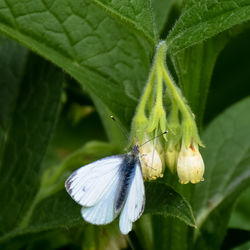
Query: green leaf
[(136, 14), (244, 246), (170, 233), (47, 240), (109, 59), (227, 160), (202, 19), (29, 127), (11, 72), (194, 67), (230, 73), (240, 216), (116, 132), (161, 10), (162, 199)]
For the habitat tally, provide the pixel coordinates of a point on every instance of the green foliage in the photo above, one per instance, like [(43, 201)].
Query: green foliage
[(161, 11), (195, 77), (162, 199), (24, 142), (240, 218), (228, 175), (76, 35), (138, 15), (203, 19), (107, 47)]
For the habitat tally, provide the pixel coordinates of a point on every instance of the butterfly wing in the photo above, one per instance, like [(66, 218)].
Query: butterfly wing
[(135, 202), (94, 182), (103, 212)]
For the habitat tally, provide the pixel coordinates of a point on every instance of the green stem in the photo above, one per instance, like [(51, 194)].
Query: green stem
[(174, 115), (159, 56), (146, 94), (160, 60), (175, 95), (159, 103)]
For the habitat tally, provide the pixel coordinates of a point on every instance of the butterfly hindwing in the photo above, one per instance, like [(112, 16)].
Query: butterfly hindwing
[(135, 202), (93, 182)]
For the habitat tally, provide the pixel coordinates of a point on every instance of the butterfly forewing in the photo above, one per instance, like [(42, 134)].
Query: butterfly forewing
[(91, 183), (103, 212)]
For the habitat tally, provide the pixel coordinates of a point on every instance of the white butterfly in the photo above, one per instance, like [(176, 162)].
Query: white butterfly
[(109, 186)]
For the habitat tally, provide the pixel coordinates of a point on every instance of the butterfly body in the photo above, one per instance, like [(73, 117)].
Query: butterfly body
[(108, 187)]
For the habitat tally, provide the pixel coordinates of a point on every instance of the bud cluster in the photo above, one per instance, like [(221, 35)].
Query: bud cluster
[(179, 150)]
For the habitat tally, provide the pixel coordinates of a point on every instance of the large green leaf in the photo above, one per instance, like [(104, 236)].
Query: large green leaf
[(108, 58), (202, 19), (12, 62), (170, 234), (162, 199), (26, 135), (230, 73), (227, 159)]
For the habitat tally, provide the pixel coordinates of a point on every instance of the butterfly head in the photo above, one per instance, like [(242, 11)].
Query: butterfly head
[(135, 150)]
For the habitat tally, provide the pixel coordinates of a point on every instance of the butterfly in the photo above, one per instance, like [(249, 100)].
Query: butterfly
[(108, 187)]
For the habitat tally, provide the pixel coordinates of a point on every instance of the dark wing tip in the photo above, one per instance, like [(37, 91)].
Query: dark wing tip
[(68, 183), (67, 186)]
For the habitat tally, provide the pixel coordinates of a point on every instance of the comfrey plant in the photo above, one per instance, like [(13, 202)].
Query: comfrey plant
[(179, 150), (70, 65), (114, 185)]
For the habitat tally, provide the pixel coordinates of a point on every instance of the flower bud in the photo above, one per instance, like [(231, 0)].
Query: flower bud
[(190, 165), (151, 162)]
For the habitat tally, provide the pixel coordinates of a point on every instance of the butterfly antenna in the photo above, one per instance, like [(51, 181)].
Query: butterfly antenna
[(120, 127), (165, 132)]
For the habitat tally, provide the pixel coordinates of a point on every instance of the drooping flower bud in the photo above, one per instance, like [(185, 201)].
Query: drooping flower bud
[(151, 163), (190, 165)]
